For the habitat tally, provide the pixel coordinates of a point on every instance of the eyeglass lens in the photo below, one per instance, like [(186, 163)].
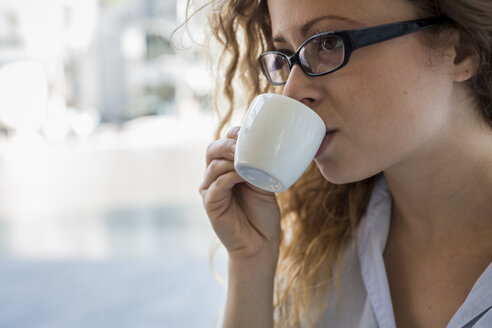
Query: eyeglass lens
[(276, 67), (320, 55)]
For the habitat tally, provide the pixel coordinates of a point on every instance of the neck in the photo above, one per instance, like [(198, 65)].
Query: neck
[(444, 193)]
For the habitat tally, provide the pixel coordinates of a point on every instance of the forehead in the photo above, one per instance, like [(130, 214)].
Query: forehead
[(289, 16)]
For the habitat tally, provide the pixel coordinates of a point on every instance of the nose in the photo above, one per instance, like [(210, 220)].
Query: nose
[(303, 88)]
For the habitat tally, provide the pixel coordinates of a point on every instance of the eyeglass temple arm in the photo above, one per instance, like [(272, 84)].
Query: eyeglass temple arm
[(367, 36)]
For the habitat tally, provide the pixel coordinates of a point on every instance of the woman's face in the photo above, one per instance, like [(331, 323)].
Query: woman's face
[(388, 105)]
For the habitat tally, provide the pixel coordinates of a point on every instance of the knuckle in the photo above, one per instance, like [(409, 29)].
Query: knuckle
[(210, 147), (230, 143), (222, 180), (213, 164), (234, 130), (223, 142), (201, 190), (208, 200)]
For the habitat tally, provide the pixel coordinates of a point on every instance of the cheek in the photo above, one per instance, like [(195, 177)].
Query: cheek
[(384, 115), (382, 107), (393, 89)]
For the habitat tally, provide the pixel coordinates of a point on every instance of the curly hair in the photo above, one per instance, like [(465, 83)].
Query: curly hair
[(319, 219)]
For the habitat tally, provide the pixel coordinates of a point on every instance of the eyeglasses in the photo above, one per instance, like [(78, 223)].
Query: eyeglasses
[(327, 52)]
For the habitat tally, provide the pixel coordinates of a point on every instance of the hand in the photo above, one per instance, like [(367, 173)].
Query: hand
[(245, 218)]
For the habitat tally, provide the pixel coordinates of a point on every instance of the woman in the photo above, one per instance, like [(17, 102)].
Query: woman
[(392, 224)]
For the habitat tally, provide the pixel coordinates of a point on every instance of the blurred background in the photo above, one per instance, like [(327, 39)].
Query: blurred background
[(103, 130)]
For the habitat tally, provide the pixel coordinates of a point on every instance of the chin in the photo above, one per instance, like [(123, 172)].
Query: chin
[(336, 176), (347, 174)]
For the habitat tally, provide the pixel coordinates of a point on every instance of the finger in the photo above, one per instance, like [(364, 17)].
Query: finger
[(233, 132), (219, 194), (216, 168), (223, 148)]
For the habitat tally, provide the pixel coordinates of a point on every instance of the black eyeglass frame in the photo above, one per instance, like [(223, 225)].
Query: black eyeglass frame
[(355, 39)]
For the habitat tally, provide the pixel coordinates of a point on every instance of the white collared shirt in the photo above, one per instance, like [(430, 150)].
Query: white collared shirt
[(364, 299)]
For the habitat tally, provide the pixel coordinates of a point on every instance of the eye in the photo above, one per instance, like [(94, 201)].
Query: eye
[(328, 43), (279, 63)]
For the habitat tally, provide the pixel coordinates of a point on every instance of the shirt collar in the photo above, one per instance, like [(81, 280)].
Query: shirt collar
[(478, 301), (371, 240)]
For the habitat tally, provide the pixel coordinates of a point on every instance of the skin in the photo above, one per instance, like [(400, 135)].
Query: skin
[(398, 108)]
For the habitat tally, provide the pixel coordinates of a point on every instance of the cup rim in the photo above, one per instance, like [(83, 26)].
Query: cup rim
[(292, 100)]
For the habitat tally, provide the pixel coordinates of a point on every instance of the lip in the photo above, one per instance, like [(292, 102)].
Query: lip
[(326, 142)]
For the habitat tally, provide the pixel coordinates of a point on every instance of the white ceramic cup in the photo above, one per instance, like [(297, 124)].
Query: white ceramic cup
[(278, 139)]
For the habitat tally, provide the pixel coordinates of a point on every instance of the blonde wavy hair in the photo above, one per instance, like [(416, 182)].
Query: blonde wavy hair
[(319, 219)]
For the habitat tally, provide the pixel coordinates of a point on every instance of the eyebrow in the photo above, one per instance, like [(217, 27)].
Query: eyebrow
[(305, 28)]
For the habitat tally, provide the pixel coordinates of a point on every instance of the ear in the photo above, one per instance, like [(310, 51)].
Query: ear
[(464, 60)]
